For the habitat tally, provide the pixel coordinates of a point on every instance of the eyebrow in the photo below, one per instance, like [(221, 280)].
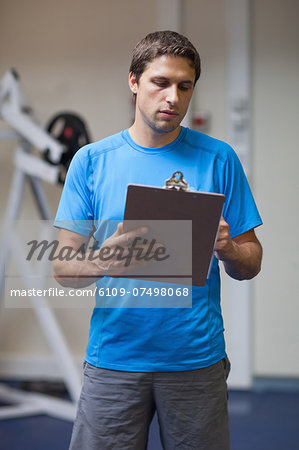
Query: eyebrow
[(161, 78)]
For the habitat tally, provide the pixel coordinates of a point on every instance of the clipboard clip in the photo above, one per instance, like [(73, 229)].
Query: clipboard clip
[(177, 182)]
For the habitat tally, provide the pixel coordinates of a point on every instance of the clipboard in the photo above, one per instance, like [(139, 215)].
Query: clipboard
[(175, 202)]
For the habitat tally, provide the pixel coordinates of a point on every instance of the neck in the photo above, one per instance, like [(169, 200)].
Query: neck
[(150, 138)]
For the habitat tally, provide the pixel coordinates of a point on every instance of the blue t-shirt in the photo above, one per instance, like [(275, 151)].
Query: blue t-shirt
[(155, 339)]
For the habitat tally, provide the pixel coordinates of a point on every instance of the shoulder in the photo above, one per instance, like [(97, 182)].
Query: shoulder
[(209, 144), (100, 147)]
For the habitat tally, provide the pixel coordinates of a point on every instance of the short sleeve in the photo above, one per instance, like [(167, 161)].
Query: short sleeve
[(75, 212), (240, 210)]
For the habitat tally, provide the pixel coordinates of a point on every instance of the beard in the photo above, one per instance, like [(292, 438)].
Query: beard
[(162, 125)]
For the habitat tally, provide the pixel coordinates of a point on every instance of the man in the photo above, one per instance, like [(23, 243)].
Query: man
[(169, 360)]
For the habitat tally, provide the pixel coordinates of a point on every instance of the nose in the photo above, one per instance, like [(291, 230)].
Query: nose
[(172, 94)]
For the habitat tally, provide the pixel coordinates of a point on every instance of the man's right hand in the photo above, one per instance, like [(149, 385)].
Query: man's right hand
[(122, 252), (119, 255)]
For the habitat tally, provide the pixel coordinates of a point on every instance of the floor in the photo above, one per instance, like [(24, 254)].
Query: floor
[(258, 420)]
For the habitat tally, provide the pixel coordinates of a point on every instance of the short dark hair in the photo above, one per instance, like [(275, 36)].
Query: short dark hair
[(163, 43)]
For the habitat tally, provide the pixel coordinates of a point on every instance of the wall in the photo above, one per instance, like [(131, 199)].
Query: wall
[(204, 23), (276, 161)]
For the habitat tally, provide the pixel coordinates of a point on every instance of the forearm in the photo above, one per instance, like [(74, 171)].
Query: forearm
[(241, 255), (116, 257), (79, 271), (244, 261)]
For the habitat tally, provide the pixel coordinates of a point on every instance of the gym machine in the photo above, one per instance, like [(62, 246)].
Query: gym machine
[(56, 146)]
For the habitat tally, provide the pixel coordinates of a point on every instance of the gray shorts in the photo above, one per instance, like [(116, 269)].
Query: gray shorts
[(116, 408)]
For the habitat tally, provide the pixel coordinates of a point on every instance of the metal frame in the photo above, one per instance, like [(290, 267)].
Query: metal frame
[(31, 169)]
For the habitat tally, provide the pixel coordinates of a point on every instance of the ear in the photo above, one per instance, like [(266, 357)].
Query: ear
[(133, 82)]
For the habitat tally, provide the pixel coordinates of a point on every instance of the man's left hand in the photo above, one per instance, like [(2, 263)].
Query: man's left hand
[(241, 255), (225, 246)]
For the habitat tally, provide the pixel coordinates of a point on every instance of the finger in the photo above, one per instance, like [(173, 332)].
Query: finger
[(126, 239), (146, 249), (216, 254), (118, 231), (223, 230), (120, 228)]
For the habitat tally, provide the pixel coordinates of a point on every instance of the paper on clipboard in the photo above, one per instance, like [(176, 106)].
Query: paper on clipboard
[(202, 210)]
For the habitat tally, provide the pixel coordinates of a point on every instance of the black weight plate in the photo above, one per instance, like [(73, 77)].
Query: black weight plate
[(71, 131)]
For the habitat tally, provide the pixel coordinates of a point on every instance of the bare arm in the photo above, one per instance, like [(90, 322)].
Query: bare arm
[(83, 266), (241, 255), (76, 270)]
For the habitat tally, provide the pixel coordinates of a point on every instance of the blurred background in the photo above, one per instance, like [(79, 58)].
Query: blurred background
[(74, 55)]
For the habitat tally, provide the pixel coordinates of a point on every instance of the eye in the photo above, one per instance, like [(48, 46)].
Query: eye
[(184, 87), (161, 83)]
